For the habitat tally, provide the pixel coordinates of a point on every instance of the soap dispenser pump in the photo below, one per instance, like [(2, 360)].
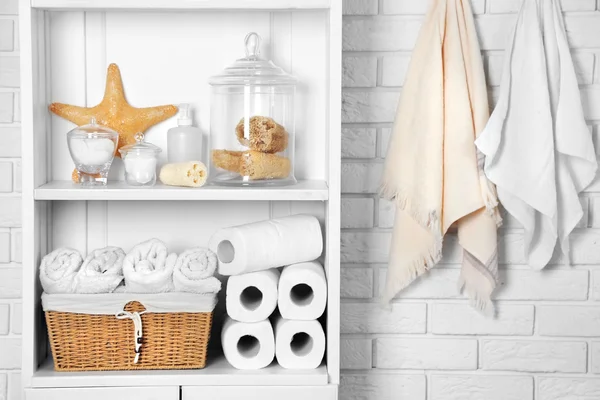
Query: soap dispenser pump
[(184, 142)]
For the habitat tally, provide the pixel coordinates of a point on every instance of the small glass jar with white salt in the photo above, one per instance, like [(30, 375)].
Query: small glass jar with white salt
[(140, 160)]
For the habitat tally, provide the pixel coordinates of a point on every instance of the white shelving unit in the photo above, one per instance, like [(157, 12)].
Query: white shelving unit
[(166, 50)]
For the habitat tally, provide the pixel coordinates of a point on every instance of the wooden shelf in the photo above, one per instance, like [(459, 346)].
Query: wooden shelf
[(217, 373), (66, 190), (181, 4)]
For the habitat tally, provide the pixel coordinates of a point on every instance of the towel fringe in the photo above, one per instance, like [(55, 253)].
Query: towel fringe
[(478, 298), (427, 219), (490, 199), (417, 267)]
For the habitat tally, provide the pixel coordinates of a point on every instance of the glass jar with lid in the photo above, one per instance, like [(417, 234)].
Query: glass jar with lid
[(140, 160), (252, 122), (92, 148)]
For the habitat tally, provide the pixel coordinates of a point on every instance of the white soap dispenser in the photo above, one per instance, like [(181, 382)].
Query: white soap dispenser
[(184, 142)]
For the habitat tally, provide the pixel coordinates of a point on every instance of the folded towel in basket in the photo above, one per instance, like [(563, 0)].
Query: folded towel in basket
[(194, 272), (101, 272), (58, 270), (148, 268)]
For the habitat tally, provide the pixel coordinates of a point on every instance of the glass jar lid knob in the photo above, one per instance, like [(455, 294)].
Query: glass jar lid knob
[(252, 42), (139, 137)]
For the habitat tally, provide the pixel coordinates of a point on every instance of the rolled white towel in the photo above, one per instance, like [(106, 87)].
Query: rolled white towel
[(58, 270), (101, 272), (194, 272), (148, 268)]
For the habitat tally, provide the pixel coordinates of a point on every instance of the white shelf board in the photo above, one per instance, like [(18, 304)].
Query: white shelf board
[(217, 373), (311, 190), (181, 4)]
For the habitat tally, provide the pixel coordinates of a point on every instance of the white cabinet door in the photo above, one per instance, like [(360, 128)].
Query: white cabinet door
[(105, 393), (259, 392)]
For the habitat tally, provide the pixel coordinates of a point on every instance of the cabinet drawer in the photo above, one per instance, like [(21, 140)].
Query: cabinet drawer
[(258, 392), (105, 393)]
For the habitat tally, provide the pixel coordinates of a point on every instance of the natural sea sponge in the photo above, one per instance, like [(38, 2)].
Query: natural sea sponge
[(253, 164), (264, 135), (257, 165), (227, 159)]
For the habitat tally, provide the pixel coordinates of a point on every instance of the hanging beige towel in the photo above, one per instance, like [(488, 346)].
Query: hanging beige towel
[(432, 170)]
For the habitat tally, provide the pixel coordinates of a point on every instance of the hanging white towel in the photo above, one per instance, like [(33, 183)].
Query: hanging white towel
[(538, 148), (148, 268), (101, 272), (58, 270), (195, 272)]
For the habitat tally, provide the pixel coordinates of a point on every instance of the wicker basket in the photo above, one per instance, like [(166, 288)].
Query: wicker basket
[(93, 342)]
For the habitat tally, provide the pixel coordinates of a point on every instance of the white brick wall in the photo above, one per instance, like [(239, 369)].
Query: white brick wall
[(10, 204), (545, 341)]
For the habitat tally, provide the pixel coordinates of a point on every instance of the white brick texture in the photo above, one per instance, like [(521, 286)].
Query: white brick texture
[(357, 213), (372, 318), (4, 246), (382, 387), (359, 72), (3, 386), (14, 386), (10, 138), (9, 7), (6, 36), (356, 283), (512, 6), (426, 353), (533, 356), (16, 318), (4, 319), (359, 142), (9, 71), (10, 204), (595, 353), (568, 389), (360, 7), (569, 321), (6, 177), (10, 283), (11, 353), (462, 387), (462, 319), (10, 212), (6, 110), (356, 353)]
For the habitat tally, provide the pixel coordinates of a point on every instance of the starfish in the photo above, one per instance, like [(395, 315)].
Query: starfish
[(115, 112)]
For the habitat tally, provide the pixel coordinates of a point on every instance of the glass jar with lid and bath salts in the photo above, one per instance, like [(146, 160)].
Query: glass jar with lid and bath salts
[(252, 122), (92, 148), (140, 161)]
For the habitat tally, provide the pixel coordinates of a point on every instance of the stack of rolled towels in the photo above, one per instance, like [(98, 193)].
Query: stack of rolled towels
[(148, 268), (254, 333)]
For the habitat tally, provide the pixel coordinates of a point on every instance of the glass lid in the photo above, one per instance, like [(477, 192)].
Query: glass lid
[(140, 147), (253, 70), (92, 129)]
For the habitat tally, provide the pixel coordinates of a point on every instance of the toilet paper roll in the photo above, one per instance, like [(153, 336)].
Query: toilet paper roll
[(248, 345), (252, 297), (302, 291), (299, 344), (267, 244)]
